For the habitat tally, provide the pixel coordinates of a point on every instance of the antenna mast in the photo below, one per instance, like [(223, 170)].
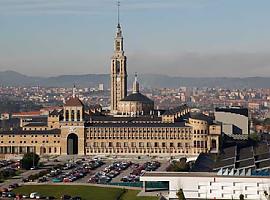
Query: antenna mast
[(118, 12)]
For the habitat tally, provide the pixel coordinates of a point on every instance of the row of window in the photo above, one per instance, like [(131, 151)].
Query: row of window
[(200, 144), (31, 135), (35, 129), (71, 116), (139, 130), (198, 122), (139, 144), (24, 142), (143, 151), (200, 131), (141, 137), (27, 149), (50, 150)]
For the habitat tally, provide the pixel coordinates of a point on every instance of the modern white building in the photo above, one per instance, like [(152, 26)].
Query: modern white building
[(234, 120), (205, 185)]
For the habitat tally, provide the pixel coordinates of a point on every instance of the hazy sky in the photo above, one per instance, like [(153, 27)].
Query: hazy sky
[(174, 37)]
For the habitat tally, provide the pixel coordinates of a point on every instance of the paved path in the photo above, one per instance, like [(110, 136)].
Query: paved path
[(85, 184), (22, 176)]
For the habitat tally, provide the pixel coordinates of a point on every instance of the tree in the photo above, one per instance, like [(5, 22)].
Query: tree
[(179, 166), (30, 160), (241, 197), (180, 195)]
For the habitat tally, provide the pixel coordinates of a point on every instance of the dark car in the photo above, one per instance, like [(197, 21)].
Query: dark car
[(25, 180), (65, 197), (15, 185), (4, 194), (11, 194), (76, 198), (50, 197)]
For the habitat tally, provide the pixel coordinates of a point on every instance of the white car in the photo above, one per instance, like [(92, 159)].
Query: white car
[(33, 195), (25, 196)]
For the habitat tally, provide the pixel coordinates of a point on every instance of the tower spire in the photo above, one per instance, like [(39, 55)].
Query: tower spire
[(118, 14), (118, 67)]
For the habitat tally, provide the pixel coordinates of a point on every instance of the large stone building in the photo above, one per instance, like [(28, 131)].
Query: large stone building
[(133, 127)]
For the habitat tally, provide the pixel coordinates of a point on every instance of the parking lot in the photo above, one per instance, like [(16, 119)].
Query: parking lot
[(99, 171), (84, 170)]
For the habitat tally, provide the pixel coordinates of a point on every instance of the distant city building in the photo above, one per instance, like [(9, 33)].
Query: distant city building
[(235, 120), (254, 106), (4, 116), (101, 87)]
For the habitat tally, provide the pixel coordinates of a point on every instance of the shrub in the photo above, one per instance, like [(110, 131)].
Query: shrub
[(241, 197), (180, 195), (29, 160)]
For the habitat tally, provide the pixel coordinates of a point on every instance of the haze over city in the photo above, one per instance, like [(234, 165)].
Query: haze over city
[(196, 38)]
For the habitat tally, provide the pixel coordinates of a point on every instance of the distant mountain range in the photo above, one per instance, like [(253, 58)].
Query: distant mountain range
[(12, 78)]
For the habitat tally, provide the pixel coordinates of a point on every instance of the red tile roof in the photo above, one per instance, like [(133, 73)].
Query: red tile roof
[(31, 113), (73, 101)]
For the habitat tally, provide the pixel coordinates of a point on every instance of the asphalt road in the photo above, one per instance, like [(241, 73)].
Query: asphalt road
[(19, 180)]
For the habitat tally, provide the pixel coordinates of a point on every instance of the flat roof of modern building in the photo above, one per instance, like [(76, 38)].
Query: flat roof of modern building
[(236, 110), (195, 174)]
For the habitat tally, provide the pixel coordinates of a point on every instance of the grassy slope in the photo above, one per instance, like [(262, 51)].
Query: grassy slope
[(86, 192), (132, 195)]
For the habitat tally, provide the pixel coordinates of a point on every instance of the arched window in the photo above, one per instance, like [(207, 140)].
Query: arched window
[(72, 115), (214, 144), (78, 115), (67, 115)]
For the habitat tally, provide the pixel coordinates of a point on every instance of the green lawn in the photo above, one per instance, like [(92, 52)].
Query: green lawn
[(86, 192), (132, 195)]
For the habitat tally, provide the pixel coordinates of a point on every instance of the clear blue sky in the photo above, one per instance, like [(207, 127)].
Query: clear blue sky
[(174, 37)]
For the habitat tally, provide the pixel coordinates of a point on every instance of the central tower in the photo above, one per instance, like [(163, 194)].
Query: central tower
[(118, 69)]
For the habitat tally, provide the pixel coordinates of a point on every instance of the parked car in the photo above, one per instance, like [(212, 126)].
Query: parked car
[(33, 195), (4, 194), (25, 196), (49, 197), (76, 198), (25, 180), (65, 197), (11, 194)]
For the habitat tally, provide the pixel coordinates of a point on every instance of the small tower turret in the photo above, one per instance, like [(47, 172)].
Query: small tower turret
[(136, 85)]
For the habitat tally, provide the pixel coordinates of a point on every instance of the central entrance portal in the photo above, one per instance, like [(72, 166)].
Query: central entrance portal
[(72, 144)]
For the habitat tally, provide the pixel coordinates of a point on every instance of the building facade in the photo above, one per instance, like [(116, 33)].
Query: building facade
[(73, 131), (132, 128)]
